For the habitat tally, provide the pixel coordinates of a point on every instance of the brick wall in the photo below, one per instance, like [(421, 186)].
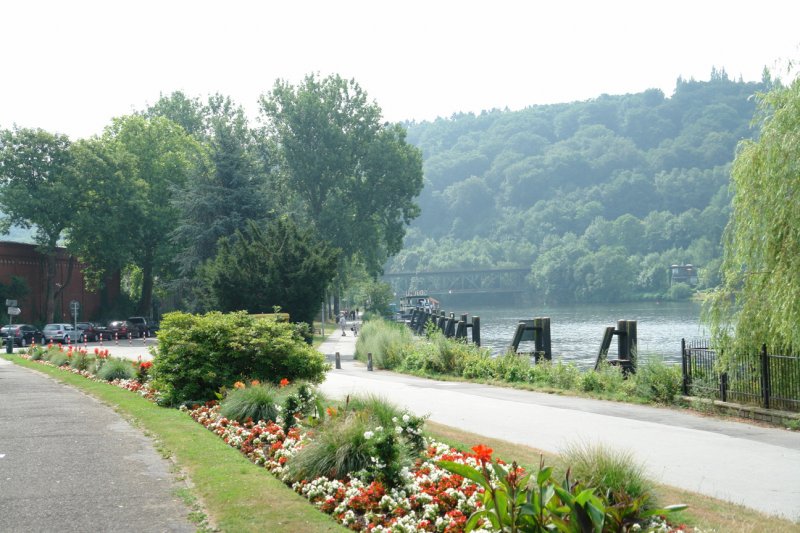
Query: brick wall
[(22, 260)]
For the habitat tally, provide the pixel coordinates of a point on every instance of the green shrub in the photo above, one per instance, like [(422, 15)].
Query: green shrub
[(512, 366), (658, 382), (388, 342), (559, 375), (115, 368), (607, 469), (199, 354), (607, 378), (479, 366)]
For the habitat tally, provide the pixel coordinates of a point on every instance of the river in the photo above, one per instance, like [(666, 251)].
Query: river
[(577, 330)]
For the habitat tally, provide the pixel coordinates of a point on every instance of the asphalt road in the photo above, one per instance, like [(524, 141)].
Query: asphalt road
[(69, 463), (754, 466)]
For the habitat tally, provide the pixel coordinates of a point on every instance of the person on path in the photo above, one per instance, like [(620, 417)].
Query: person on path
[(343, 323)]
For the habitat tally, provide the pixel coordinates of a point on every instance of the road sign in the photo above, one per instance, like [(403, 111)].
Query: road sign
[(14, 311), (11, 303), (74, 305)]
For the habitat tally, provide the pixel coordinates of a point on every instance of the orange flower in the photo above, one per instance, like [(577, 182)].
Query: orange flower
[(482, 453), (239, 385), (331, 411), (284, 382), (255, 383)]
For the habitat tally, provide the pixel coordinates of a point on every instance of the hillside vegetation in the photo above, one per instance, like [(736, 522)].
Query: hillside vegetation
[(597, 197)]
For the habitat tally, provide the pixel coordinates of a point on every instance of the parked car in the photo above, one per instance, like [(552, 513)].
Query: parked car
[(119, 328), (23, 334), (62, 333), (89, 330), (141, 326)]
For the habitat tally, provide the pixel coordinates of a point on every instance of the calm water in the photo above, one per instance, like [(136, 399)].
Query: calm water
[(577, 330)]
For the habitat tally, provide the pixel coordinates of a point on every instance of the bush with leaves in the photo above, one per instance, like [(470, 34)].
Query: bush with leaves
[(658, 381), (199, 354), (388, 342)]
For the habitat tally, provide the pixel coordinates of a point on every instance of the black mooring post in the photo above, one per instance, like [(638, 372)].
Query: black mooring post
[(542, 337), (338, 360), (684, 368), (476, 330), (369, 361)]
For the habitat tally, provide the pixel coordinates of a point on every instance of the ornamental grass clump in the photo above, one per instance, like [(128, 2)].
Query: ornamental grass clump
[(608, 470), (388, 342), (115, 368), (81, 360), (57, 358), (259, 402)]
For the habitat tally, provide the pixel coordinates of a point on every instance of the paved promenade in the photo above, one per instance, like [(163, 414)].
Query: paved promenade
[(741, 463), (69, 463)]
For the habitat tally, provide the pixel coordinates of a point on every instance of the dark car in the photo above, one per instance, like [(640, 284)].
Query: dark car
[(119, 329), (23, 334), (89, 331), (141, 326)]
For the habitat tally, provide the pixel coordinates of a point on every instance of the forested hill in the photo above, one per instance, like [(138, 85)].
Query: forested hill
[(597, 197)]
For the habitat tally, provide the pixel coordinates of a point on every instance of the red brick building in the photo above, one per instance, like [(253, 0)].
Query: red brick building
[(22, 260)]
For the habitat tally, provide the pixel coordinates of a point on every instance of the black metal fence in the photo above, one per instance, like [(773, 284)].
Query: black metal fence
[(770, 381)]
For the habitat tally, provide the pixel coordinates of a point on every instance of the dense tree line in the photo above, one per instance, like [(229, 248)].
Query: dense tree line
[(597, 197), (187, 198)]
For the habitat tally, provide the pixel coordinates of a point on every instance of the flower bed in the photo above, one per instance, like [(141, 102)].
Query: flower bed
[(439, 491)]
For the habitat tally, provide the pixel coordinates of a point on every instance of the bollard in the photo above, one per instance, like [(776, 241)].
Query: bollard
[(85, 341), (116, 339), (369, 361), (338, 360), (130, 340)]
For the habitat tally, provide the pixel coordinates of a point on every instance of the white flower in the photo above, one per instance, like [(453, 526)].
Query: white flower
[(406, 418), (368, 435), (398, 430)]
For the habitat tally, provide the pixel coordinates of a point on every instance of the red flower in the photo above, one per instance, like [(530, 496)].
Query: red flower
[(145, 364), (482, 453), (284, 382)]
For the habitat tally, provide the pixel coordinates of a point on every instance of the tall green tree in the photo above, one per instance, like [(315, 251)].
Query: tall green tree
[(280, 265), (356, 176), (38, 190), (759, 300), (216, 203), (154, 157)]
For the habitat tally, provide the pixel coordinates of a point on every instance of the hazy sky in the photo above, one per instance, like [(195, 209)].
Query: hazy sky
[(72, 65)]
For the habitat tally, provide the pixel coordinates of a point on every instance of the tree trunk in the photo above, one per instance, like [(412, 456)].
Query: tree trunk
[(50, 282), (146, 301)]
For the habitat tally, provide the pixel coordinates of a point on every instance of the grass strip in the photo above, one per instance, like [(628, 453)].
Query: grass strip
[(704, 512), (236, 494)]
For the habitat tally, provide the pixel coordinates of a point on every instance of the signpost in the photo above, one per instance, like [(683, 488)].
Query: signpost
[(13, 311), (74, 306)]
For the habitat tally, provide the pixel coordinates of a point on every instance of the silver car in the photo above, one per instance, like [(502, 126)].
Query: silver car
[(63, 333)]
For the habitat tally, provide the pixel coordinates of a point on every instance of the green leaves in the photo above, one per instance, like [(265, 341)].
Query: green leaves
[(512, 503), (759, 300)]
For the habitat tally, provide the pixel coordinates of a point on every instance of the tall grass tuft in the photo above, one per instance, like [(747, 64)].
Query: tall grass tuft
[(115, 368), (339, 449), (81, 360), (607, 469), (386, 341), (260, 402), (380, 410), (57, 358)]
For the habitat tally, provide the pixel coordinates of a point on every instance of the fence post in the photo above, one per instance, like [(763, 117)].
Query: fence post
[(723, 386), (766, 383), (476, 330), (685, 368), (369, 361), (338, 359)]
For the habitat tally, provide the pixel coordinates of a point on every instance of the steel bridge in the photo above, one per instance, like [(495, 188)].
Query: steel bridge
[(439, 282)]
